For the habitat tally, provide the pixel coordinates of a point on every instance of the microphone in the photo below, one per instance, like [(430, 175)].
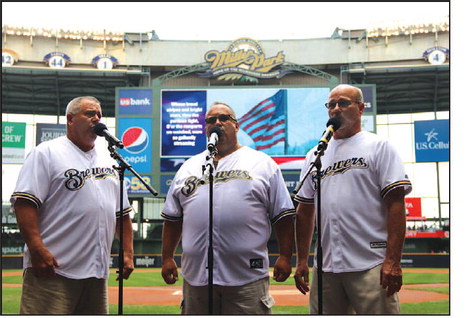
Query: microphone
[(101, 130), (332, 125), (214, 135)]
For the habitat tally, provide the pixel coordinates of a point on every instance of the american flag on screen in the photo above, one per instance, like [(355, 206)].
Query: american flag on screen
[(265, 123)]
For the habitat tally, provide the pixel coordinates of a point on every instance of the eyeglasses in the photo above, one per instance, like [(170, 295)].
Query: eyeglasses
[(222, 117), (342, 103)]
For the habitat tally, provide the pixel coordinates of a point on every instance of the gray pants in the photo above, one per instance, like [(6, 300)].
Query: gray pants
[(59, 295), (249, 299), (353, 293)]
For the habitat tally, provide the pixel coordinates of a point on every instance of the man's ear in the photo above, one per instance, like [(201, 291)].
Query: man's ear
[(69, 117)]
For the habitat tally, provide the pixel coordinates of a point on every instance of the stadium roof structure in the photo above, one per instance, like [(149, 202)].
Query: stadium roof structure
[(47, 91), (405, 82), (407, 89)]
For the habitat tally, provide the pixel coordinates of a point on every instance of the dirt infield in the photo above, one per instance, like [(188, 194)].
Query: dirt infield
[(284, 295)]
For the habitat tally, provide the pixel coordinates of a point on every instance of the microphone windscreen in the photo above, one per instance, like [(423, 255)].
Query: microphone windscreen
[(217, 130), (335, 122), (99, 129)]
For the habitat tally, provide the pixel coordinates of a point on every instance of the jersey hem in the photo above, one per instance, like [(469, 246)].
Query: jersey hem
[(350, 270), (217, 282), (72, 276)]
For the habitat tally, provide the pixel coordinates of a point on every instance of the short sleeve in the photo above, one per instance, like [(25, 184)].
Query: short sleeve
[(390, 170), (281, 204), (34, 178)]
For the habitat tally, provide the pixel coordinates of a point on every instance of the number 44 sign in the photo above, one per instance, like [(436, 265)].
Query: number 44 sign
[(56, 60)]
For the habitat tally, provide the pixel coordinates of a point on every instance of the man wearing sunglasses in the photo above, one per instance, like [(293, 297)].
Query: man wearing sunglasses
[(363, 185), (249, 197)]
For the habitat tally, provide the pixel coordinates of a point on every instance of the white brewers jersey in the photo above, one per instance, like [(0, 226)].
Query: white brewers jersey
[(357, 172), (249, 195), (77, 196)]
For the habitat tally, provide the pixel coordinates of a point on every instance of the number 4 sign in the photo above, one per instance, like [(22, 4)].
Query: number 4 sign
[(436, 55)]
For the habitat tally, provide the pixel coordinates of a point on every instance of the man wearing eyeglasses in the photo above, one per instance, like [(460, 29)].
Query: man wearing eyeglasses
[(363, 185), (249, 197)]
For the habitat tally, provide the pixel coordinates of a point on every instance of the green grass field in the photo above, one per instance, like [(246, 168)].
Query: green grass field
[(11, 295)]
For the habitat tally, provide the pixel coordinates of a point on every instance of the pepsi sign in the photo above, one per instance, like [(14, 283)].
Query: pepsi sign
[(135, 101), (135, 134), (432, 140), (135, 139)]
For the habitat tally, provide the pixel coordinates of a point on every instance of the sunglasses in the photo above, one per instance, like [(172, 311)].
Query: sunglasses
[(223, 118), (342, 103)]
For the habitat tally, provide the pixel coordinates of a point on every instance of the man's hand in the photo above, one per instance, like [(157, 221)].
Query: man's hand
[(391, 272), (43, 262), (169, 271), (302, 278), (282, 268), (128, 266), (391, 277)]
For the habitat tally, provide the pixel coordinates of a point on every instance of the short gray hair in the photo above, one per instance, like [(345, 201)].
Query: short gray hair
[(359, 94), (75, 104), (221, 103)]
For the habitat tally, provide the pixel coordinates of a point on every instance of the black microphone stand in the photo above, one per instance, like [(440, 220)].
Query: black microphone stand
[(123, 165), (208, 170), (319, 249)]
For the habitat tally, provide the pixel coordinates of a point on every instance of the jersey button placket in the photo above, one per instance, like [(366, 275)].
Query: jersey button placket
[(336, 253), (216, 226), (102, 255)]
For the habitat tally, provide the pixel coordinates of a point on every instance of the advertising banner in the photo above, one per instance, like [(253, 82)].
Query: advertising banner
[(136, 135), (432, 140), (182, 123), (45, 132), (135, 186), (171, 164), (368, 92), (165, 183), (413, 209), (135, 101), (13, 142)]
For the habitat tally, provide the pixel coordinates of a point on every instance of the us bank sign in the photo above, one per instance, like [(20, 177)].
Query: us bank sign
[(244, 60), (432, 140)]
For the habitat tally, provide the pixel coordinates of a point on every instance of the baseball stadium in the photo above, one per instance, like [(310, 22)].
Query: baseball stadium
[(154, 95)]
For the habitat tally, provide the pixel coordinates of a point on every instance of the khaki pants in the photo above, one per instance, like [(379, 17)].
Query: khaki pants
[(353, 293), (59, 295), (249, 299)]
